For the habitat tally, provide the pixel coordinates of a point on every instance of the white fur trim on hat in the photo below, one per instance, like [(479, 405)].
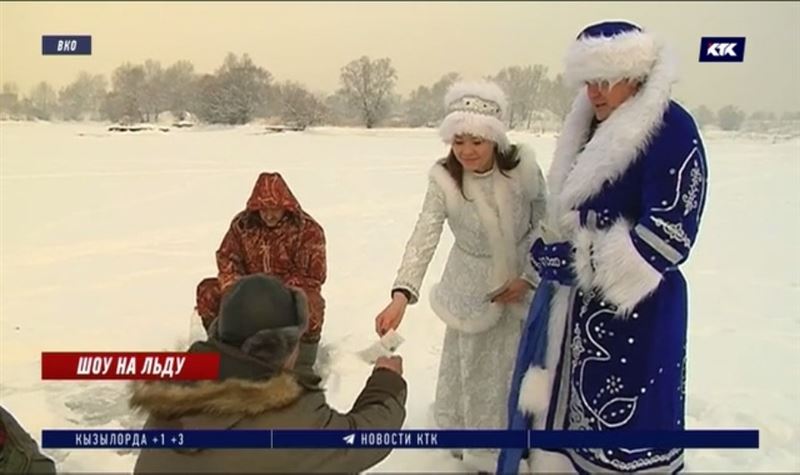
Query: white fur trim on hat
[(475, 108), (630, 55)]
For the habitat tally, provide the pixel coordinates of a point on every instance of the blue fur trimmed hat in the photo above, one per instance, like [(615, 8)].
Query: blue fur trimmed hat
[(611, 50)]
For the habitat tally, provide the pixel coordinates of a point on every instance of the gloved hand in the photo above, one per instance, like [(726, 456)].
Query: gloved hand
[(553, 261)]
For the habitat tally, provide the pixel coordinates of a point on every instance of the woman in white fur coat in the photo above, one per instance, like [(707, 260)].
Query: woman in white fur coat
[(492, 195)]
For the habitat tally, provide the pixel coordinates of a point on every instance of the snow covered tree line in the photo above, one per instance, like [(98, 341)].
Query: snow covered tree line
[(732, 118), (240, 91)]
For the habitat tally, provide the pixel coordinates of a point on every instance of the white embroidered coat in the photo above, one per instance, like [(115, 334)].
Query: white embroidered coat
[(493, 233)]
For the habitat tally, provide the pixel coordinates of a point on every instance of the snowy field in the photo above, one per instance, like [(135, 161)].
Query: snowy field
[(104, 237)]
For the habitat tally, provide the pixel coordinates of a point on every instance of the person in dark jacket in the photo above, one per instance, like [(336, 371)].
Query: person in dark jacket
[(19, 453), (257, 336)]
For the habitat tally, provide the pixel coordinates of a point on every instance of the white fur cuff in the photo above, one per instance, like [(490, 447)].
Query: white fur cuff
[(582, 263), (486, 320), (621, 273), (534, 391)]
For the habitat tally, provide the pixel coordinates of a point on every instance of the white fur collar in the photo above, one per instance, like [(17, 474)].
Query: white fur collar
[(500, 228), (524, 175), (576, 176)]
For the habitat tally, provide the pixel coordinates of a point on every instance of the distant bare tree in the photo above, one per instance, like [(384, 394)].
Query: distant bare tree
[(730, 118), (298, 105), (42, 101), (83, 97), (235, 93), (340, 112), (9, 99), (10, 88), (418, 107), (439, 90), (523, 86), (367, 85), (558, 97), (703, 116), (180, 85), (154, 99), (790, 116), (425, 105), (126, 99)]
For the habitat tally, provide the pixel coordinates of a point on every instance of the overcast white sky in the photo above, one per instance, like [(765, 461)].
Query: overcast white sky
[(310, 42)]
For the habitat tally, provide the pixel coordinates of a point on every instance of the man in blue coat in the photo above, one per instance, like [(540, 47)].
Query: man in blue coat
[(604, 347)]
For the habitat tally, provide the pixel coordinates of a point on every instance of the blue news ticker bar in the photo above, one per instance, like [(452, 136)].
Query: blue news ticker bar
[(687, 439), (411, 439), (66, 44)]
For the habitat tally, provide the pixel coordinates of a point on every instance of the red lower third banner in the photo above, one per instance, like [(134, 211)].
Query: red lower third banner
[(130, 365)]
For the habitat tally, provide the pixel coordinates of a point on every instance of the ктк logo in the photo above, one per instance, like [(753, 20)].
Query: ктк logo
[(722, 49)]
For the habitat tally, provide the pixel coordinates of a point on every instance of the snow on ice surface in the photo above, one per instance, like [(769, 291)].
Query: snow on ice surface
[(104, 237)]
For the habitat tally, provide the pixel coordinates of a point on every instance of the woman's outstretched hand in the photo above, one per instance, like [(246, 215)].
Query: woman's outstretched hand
[(391, 316)]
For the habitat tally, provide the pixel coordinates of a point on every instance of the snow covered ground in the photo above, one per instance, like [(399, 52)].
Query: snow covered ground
[(103, 237)]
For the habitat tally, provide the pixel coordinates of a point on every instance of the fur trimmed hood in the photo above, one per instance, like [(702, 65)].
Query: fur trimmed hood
[(246, 385), (231, 397)]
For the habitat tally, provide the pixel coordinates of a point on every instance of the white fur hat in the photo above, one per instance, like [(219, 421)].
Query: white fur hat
[(611, 50), (475, 108)]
